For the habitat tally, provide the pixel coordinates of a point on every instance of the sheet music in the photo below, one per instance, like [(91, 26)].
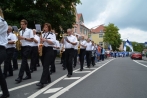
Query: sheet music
[(38, 27), (15, 28)]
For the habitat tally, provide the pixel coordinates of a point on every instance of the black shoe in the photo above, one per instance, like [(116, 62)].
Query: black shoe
[(27, 77), (74, 66), (5, 96), (64, 68), (68, 75), (38, 65), (81, 69), (18, 80), (41, 85), (15, 69), (31, 71), (10, 75), (51, 72)]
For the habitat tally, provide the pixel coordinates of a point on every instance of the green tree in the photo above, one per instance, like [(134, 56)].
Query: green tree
[(138, 47), (59, 13), (112, 36)]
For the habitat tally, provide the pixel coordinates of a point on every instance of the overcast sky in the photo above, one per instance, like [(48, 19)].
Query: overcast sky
[(130, 16)]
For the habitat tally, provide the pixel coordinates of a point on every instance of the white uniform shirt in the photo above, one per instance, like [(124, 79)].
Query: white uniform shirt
[(3, 32), (49, 36), (83, 42), (11, 37), (89, 46), (76, 46), (56, 45), (38, 39), (28, 33), (71, 38)]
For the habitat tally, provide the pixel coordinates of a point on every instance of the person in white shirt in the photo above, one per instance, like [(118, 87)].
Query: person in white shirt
[(34, 52), (48, 40), (89, 45), (55, 48), (69, 41), (3, 43), (9, 50), (82, 43), (62, 49), (93, 54), (26, 38), (76, 52)]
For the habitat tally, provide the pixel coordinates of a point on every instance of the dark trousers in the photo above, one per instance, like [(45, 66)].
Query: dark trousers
[(68, 59), (102, 57), (7, 62), (15, 56), (93, 60), (88, 58), (24, 64), (34, 58), (64, 59), (75, 57), (3, 83), (47, 58), (81, 55), (53, 68)]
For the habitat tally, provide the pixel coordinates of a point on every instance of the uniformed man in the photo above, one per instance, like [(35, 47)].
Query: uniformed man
[(55, 48), (34, 52), (75, 53), (26, 37), (82, 43), (69, 41), (9, 50), (89, 45), (3, 42)]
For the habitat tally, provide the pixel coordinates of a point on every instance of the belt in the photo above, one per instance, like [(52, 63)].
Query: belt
[(68, 48)]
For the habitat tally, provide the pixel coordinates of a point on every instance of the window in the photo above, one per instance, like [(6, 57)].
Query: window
[(101, 43), (101, 30), (100, 35)]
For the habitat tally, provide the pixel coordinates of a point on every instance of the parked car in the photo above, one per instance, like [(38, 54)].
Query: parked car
[(136, 55)]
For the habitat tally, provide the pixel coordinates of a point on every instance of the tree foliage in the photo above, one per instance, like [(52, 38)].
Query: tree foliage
[(112, 36), (59, 13)]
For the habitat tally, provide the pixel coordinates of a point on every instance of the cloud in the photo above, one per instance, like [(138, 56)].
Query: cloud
[(133, 35), (126, 15)]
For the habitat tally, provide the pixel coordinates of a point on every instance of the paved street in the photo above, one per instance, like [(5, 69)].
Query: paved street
[(112, 78)]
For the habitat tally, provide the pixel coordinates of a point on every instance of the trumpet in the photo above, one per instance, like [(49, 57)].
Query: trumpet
[(61, 51), (18, 43)]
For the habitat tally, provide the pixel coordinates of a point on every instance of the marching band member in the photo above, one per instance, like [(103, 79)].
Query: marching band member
[(26, 37), (93, 54), (82, 43), (70, 41), (34, 52), (48, 39), (56, 47), (89, 45), (9, 50), (63, 56), (3, 42), (76, 52)]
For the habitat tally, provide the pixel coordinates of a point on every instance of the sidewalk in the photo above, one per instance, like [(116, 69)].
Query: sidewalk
[(144, 58)]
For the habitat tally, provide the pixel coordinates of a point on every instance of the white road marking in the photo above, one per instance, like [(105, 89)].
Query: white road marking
[(15, 88), (48, 86), (76, 82), (89, 68), (140, 63), (71, 78), (52, 90), (82, 71)]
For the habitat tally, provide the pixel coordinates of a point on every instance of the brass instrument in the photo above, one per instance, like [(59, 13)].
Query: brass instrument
[(61, 51), (40, 45), (18, 43)]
